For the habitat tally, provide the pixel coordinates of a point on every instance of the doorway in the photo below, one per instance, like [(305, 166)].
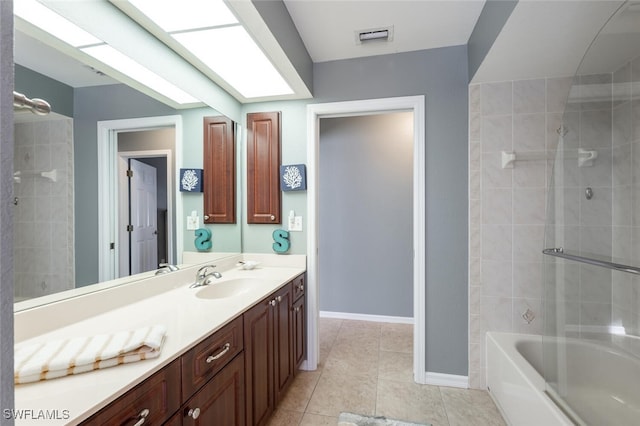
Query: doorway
[(365, 217), (109, 201), (143, 205), (416, 105)]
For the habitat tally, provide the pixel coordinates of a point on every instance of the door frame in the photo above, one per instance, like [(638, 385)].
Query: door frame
[(108, 187), (315, 112), (123, 209)]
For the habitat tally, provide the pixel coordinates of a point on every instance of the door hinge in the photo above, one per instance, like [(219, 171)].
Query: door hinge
[(129, 228), (129, 173)]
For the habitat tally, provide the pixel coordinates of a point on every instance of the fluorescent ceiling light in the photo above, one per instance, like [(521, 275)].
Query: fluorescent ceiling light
[(172, 15), (134, 70), (47, 20), (232, 54)]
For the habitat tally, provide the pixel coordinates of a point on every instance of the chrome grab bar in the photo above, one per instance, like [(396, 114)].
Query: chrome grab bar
[(559, 252)]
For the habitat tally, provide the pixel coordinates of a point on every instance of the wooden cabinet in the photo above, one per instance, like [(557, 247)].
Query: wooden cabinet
[(268, 349), (235, 377), (299, 322), (283, 341), (263, 168), (151, 402), (219, 171), (221, 400), (275, 342), (258, 338)]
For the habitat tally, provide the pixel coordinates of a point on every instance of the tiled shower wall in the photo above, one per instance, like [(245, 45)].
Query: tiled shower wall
[(507, 206), (626, 198), (43, 219)]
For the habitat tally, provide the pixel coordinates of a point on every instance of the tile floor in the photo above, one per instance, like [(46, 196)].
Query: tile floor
[(366, 368)]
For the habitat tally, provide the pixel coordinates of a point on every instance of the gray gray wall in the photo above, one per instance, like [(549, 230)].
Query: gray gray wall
[(490, 22), (6, 208), (366, 214), (440, 75)]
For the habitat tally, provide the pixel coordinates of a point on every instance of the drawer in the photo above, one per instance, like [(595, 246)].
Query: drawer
[(208, 357), (298, 286), (150, 402)]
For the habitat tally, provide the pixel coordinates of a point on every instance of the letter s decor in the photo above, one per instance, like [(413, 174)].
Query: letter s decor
[(281, 241), (203, 239)]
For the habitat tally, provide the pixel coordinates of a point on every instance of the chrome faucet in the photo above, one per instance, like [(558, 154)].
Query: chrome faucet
[(203, 276), (165, 268)]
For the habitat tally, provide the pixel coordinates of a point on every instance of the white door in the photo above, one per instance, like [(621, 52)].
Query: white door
[(143, 215)]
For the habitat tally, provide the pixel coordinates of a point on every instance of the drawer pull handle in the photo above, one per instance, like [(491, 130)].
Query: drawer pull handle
[(194, 413), (297, 309), (301, 287), (212, 358), (279, 299), (142, 417), (272, 302)]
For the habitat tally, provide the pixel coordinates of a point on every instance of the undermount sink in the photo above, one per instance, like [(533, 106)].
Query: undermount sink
[(228, 288)]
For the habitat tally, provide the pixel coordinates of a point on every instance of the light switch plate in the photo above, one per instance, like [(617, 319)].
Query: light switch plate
[(295, 223), (193, 223)]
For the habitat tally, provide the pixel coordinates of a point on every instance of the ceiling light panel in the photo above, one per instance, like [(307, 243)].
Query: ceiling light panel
[(118, 61), (172, 15), (232, 54), (47, 20)]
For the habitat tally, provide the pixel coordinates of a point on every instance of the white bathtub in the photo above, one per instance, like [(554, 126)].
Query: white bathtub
[(515, 385), (600, 384)]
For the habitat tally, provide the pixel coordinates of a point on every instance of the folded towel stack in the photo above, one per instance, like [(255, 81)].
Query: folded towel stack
[(49, 360)]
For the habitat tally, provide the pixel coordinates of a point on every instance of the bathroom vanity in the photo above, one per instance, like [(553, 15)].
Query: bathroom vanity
[(229, 354)]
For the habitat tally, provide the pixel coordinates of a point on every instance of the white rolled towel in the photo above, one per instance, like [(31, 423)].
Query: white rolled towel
[(48, 360)]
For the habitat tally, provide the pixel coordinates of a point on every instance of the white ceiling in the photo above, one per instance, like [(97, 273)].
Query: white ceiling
[(545, 38), (542, 38), (329, 28)]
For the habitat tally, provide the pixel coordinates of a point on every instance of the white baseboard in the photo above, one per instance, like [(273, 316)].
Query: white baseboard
[(450, 380), (366, 317)]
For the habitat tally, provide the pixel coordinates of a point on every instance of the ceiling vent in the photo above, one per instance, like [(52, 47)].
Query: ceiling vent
[(374, 35)]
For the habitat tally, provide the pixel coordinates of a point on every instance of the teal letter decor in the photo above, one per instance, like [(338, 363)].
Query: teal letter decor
[(281, 241), (203, 239)]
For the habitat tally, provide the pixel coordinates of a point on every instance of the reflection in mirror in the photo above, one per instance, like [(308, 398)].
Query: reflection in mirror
[(43, 219), (56, 236)]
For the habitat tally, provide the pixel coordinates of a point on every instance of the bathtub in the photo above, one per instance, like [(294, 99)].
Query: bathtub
[(603, 382)]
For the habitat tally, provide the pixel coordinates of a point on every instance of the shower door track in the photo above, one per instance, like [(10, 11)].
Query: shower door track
[(559, 252)]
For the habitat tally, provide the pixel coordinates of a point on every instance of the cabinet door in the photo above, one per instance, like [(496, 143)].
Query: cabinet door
[(258, 343), (151, 402), (283, 340), (221, 401), (219, 170), (299, 332), (263, 167)]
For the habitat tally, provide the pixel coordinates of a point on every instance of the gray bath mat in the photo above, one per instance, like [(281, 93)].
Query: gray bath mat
[(350, 419)]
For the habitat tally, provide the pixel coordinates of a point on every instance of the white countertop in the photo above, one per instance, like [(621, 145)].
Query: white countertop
[(188, 320)]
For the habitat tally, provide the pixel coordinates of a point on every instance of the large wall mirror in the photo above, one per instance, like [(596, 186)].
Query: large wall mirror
[(56, 181)]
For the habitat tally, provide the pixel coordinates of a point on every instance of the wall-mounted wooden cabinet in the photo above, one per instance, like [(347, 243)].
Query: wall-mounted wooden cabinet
[(219, 170), (263, 168)]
